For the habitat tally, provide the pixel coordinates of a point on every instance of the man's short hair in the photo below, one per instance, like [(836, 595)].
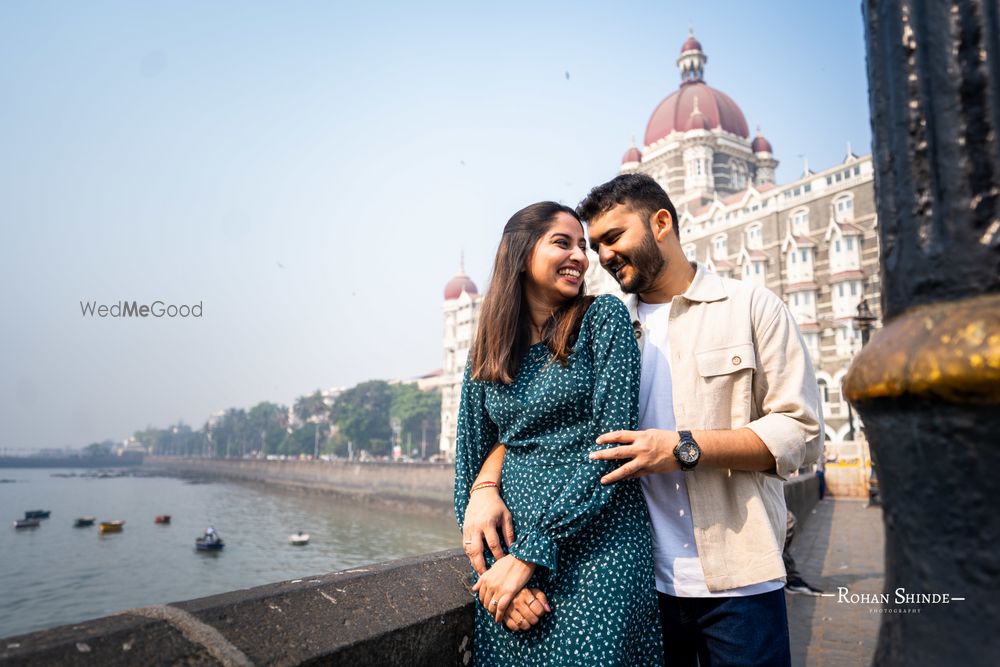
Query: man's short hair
[(639, 192)]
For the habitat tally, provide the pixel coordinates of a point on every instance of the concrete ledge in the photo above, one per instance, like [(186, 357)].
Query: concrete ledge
[(415, 611)]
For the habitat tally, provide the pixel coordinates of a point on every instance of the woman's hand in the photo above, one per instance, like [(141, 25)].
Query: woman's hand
[(499, 584), (528, 607), (484, 517)]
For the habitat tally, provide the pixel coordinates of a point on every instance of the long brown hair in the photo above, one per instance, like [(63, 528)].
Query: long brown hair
[(504, 333)]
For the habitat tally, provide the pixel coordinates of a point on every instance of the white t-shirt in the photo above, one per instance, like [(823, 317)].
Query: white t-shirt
[(675, 555)]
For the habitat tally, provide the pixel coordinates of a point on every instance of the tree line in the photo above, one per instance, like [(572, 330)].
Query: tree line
[(370, 417)]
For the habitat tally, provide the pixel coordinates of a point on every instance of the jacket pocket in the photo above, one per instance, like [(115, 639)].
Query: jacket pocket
[(725, 360)]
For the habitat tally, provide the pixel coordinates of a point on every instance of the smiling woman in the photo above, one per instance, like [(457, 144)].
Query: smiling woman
[(540, 264)]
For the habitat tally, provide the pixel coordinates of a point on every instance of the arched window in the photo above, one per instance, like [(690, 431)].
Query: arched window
[(800, 222), (843, 208), (824, 391), (719, 247)]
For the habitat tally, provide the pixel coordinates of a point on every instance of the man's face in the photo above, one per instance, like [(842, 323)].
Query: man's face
[(625, 245)]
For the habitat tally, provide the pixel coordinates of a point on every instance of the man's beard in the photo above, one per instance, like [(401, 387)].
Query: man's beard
[(647, 263)]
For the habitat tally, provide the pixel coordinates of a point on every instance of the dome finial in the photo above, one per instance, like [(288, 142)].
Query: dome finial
[(461, 262), (692, 60)]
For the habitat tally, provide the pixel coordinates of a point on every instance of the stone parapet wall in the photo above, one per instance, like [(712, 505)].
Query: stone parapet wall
[(415, 611)]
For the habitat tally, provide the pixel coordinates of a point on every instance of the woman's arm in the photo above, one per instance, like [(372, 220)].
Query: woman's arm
[(486, 514)]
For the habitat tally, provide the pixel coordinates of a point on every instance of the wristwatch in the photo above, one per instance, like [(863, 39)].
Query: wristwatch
[(687, 452)]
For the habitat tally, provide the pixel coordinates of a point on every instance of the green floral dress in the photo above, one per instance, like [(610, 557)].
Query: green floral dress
[(591, 542)]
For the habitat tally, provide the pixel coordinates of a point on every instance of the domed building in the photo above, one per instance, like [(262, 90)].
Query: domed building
[(812, 241), (461, 313), (697, 143)]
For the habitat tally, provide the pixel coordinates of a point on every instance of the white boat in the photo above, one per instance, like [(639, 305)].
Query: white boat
[(299, 539)]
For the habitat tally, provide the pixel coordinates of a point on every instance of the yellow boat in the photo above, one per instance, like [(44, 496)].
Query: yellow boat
[(110, 527)]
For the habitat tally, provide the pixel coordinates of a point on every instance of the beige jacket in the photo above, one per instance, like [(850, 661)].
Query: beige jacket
[(738, 360)]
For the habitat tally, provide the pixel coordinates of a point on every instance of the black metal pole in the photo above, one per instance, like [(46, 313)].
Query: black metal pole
[(928, 384)]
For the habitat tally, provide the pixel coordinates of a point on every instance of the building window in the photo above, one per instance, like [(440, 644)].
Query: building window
[(754, 271), (800, 223), (844, 208), (719, 247), (824, 391), (803, 306), (800, 265), (848, 340), (846, 296), (755, 237), (690, 252), (845, 254)]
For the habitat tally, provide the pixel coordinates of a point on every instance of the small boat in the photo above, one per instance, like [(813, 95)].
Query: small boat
[(37, 514), (84, 521), (299, 539), (110, 527), (27, 523), (163, 518), (210, 541)]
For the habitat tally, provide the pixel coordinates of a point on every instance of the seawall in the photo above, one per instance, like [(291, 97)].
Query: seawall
[(428, 485)]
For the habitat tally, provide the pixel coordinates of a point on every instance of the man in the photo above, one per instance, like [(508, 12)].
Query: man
[(728, 408)]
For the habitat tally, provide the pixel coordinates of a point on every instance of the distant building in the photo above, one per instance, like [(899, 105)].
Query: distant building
[(813, 241), (461, 315)]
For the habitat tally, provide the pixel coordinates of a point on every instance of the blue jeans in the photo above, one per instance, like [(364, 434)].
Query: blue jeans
[(725, 632)]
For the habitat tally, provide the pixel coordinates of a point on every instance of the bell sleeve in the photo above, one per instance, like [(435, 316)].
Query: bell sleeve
[(476, 436)]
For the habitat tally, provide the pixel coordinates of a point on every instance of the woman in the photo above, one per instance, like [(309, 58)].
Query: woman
[(549, 371)]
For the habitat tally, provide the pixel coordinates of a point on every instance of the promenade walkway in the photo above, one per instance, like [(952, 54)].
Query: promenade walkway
[(839, 544)]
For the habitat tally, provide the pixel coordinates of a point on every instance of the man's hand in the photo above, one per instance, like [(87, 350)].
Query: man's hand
[(529, 605), (649, 451), (485, 515), (498, 586)]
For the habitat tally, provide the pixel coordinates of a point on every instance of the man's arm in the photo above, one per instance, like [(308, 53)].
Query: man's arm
[(778, 442), (652, 451)]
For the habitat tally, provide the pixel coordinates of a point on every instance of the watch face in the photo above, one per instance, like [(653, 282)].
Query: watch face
[(687, 452)]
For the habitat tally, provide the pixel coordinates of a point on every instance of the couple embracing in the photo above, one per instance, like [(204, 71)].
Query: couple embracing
[(619, 466)]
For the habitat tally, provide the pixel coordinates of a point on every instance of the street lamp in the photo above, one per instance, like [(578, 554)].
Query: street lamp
[(864, 321)]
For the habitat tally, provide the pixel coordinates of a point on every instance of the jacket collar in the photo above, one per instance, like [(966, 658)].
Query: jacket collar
[(705, 287)]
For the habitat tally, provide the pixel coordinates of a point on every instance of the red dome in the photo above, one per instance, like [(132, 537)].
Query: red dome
[(691, 44), (674, 113), (761, 145), (460, 283), (632, 155)]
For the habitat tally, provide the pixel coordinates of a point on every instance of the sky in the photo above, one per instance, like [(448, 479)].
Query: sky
[(311, 173)]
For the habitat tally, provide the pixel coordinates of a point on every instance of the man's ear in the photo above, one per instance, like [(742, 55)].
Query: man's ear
[(663, 224)]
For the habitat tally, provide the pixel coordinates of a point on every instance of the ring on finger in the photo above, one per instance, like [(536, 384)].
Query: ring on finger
[(493, 602)]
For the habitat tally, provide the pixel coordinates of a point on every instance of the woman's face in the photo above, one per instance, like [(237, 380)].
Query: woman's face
[(558, 261)]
